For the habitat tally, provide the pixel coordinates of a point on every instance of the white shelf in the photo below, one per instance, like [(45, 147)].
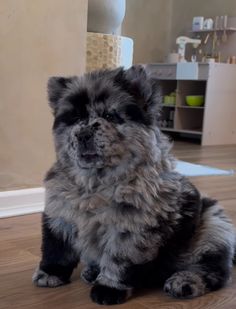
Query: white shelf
[(191, 107), (231, 29), (183, 106), (182, 131), (168, 105), (168, 129)]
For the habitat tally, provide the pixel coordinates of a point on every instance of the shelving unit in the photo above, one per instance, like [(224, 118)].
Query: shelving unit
[(181, 117), (215, 122), (213, 45)]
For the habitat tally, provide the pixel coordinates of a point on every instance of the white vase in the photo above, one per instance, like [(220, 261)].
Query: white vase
[(105, 16)]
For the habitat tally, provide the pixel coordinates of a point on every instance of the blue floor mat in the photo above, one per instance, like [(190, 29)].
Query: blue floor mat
[(190, 169)]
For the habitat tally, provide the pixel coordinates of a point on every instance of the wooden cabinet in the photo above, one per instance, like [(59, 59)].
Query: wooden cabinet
[(214, 122)]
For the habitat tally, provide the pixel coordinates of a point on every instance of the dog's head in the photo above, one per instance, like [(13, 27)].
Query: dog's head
[(105, 117)]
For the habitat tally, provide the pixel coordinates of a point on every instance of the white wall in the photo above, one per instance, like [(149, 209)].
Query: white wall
[(38, 39), (148, 23), (155, 24)]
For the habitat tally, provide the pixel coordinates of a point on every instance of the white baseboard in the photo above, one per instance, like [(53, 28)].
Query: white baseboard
[(21, 202)]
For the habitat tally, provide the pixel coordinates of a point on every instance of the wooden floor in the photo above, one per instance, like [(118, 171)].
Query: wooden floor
[(20, 243)]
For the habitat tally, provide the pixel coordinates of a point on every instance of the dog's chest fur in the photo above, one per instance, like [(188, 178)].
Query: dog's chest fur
[(113, 220)]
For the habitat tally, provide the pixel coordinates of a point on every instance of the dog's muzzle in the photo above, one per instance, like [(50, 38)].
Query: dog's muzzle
[(86, 145)]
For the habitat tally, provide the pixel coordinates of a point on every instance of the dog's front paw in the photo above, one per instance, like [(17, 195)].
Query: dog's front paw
[(185, 284), (104, 295), (42, 279)]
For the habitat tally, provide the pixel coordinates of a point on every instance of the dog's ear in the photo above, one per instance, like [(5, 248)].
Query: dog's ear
[(145, 89), (56, 88)]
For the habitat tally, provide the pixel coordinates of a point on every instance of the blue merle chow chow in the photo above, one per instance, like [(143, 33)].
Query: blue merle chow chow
[(115, 203)]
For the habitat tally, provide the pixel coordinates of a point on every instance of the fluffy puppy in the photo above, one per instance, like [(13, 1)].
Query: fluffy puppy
[(115, 203)]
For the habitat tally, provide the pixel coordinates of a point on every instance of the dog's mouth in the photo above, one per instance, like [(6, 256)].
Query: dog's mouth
[(89, 157), (89, 160)]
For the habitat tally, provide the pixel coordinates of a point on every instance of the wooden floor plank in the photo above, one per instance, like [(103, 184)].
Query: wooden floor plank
[(20, 251)]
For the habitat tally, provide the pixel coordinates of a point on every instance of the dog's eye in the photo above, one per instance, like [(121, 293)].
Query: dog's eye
[(113, 117), (109, 117)]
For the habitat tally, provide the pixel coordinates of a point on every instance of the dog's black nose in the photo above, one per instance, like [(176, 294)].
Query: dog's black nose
[(86, 140), (84, 136)]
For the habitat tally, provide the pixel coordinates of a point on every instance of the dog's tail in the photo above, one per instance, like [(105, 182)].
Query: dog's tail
[(208, 203)]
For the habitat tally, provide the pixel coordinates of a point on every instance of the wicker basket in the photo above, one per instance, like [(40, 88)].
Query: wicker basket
[(108, 51)]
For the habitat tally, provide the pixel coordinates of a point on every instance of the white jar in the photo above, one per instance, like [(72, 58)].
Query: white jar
[(208, 24), (172, 58), (198, 22)]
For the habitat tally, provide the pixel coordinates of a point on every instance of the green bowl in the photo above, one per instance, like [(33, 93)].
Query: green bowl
[(169, 100), (195, 100)]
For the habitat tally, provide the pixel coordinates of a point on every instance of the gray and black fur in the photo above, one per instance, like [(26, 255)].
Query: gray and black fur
[(115, 203)]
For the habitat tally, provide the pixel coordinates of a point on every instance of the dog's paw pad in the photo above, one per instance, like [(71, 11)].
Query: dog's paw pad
[(185, 284), (42, 279), (104, 295)]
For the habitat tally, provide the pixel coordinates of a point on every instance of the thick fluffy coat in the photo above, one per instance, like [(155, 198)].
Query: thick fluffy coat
[(114, 202)]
